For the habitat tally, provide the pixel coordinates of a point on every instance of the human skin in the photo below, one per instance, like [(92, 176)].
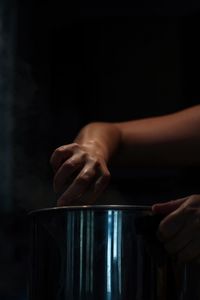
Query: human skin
[(180, 229), (82, 167)]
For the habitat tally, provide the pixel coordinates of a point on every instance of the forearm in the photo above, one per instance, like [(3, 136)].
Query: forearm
[(172, 140), (169, 140), (103, 138)]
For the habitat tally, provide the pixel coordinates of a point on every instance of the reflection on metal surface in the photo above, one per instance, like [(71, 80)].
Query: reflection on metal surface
[(109, 262), (81, 254), (104, 254), (114, 244)]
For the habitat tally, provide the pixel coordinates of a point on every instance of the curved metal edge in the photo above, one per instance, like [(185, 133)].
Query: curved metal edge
[(91, 207)]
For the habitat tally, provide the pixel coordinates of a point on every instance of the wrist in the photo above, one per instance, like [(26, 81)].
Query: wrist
[(96, 148)]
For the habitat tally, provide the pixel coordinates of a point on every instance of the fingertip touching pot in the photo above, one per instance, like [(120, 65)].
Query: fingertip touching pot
[(101, 253)]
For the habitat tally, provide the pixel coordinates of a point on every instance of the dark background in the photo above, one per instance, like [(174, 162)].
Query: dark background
[(84, 63)]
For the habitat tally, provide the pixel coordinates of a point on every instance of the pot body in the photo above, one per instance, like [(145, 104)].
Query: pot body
[(101, 253)]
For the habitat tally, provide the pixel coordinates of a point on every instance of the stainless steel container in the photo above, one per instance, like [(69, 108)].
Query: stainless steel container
[(101, 253)]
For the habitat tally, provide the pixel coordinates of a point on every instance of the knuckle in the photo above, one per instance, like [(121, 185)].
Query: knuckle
[(83, 155), (60, 150), (57, 154), (95, 162), (69, 164), (86, 176), (75, 146), (90, 172), (84, 179), (192, 206), (65, 148)]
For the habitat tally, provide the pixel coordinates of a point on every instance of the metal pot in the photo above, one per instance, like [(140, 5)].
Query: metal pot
[(102, 253)]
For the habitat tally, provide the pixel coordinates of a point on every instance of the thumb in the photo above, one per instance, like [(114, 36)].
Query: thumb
[(167, 207)]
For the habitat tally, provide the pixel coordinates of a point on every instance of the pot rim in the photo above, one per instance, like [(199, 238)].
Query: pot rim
[(62, 209)]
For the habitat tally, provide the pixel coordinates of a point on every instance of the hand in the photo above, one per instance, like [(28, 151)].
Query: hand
[(180, 229), (82, 169)]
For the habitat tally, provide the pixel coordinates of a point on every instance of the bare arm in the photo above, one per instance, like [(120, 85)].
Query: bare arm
[(82, 167), (169, 140), (172, 139)]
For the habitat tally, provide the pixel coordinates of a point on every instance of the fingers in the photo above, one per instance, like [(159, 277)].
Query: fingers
[(61, 154), (78, 187), (88, 185), (168, 207), (102, 181), (188, 233), (180, 230), (171, 225), (83, 168), (65, 171)]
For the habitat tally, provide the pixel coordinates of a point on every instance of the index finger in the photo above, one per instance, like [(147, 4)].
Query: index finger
[(59, 156)]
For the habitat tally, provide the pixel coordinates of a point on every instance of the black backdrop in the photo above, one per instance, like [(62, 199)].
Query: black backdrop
[(87, 63), (79, 68)]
